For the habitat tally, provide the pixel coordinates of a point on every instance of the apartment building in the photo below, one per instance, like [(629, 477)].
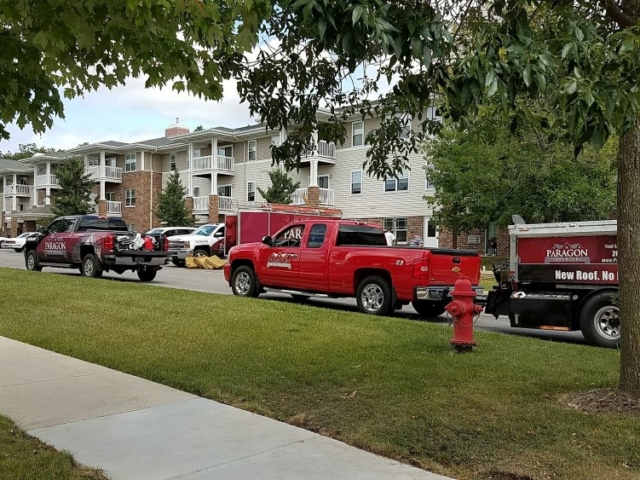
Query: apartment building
[(222, 168)]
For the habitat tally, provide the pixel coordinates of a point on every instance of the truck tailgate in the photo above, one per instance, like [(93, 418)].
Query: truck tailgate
[(447, 266)]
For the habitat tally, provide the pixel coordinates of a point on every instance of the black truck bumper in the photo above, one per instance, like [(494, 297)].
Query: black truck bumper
[(135, 260)]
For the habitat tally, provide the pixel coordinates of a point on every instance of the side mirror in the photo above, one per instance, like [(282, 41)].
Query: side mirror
[(267, 241)]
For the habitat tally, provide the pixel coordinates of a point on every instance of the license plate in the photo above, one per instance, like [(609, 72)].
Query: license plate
[(139, 259)]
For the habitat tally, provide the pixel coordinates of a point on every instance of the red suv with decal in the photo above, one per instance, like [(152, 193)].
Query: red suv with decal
[(335, 258)]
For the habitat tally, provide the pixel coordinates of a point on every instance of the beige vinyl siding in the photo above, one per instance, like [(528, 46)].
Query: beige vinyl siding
[(119, 161), (239, 152), (203, 183), (264, 148)]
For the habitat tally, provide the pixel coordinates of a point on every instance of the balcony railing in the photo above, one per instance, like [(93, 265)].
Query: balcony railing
[(327, 149), (326, 197), (201, 164), (102, 172), (46, 180), (114, 208), (225, 204), (201, 204), (21, 190)]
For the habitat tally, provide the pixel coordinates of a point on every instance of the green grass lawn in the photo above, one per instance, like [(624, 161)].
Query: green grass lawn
[(388, 385), (24, 457)]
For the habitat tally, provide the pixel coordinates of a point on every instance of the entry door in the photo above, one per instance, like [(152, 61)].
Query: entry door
[(430, 233), (280, 264)]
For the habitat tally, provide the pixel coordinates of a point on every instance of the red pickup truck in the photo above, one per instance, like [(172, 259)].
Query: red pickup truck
[(335, 258), (95, 245)]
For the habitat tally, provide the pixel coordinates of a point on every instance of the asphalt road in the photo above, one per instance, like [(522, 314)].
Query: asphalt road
[(212, 281)]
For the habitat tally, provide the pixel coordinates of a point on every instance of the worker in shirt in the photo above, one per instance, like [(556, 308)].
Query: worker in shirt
[(416, 241), (391, 238)]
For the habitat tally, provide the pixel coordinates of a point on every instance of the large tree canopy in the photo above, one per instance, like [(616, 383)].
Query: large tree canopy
[(484, 174)]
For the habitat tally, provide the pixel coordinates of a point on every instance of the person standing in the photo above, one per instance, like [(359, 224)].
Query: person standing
[(391, 238), (416, 241)]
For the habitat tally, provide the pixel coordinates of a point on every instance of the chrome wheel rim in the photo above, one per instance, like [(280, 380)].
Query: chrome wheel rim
[(607, 322), (372, 297), (243, 283), (31, 263), (88, 267), (199, 254)]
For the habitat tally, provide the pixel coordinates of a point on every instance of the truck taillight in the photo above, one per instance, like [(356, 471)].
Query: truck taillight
[(109, 241), (165, 243), (421, 270)]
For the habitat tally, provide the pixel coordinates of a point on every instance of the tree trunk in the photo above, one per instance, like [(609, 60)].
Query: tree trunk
[(629, 258), (454, 239)]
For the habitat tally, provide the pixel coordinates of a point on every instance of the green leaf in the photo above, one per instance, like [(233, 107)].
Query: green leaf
[(541, 80), (322, 27), (357, 13), (547, 60), (597, 138), (528, 75), (566, 50), (493, 88), (588, 97), (627, 45), (571, 88), (491, 76)]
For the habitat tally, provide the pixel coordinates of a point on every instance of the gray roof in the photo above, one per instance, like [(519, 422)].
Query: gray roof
[(7, 165)]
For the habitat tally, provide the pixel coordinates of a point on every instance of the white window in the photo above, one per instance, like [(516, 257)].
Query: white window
[(253, 147), (275, 139), (357, 134), (224, 190), (196, 191), (226, 151), (130, 197), (110, 162), (427, 184), (399, 184), (323, 181), (197, 153), (110, 196), (130, 162), (405, 121), (398, 227), (172, 162), (251, 191), (356, 182), (94, 162)]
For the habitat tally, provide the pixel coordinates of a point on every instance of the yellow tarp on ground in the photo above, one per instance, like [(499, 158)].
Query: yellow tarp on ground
[(208, 263)]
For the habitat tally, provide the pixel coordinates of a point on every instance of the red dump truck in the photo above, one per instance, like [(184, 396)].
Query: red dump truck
[(561, 276)]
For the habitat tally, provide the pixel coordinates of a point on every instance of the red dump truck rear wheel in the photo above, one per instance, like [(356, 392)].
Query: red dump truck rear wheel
[(600, 321)]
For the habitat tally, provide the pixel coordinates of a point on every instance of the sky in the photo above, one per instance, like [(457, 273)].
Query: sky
[(131, 113)]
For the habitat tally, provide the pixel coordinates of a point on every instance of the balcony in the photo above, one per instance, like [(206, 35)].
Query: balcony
[(19, 190), (114, 208), (201, 205), (207, 164), (46, 181), (225, 204), (102, 172), (301, 196), (327, 149)]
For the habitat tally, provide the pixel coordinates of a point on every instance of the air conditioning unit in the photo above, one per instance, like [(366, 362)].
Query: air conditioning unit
[(474, 239)]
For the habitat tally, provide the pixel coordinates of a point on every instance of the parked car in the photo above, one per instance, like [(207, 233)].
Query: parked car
[(205, 241), (17, 243), (335, 258), (2, 239), (95, 245), (171, 231)]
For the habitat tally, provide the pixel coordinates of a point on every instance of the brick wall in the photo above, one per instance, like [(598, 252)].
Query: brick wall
[(42, 194), (143, 215), (30, 226), (313, 196)]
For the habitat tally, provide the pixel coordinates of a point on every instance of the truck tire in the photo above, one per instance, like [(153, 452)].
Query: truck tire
[(177, 262), (374, 296), (147, 275), (90, 267), (32, 263), (600, 321), (243, 282), (427, 309), (200, 252)]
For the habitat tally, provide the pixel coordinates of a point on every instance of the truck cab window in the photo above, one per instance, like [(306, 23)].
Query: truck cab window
[(291, 237), (56, 227), (316, 235), (68, 225)]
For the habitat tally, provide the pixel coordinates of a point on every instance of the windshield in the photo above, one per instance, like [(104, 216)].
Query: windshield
[(24, 235), (205, 230), (154, 231)]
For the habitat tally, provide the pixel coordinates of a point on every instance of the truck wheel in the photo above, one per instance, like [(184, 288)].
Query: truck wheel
[(90, 266), (177, 263), (200, 252), (600, 321), (428, 309), (33, 265), (147, 275), (374, 296), (243, 282)]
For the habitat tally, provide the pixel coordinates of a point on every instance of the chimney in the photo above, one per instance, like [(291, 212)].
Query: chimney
[(175, 129)]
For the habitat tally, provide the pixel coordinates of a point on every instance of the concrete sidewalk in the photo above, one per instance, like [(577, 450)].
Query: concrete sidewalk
[(136, 429)]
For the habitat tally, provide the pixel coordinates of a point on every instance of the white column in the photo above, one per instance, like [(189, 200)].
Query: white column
[(214, 152), (86, 161), (15, 186), (141, 160), (4, 202), (48, 170), (214, 183), (103, 193), (102, 164), (313, 172), (189, 169), (47, 194), (35, 192)]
